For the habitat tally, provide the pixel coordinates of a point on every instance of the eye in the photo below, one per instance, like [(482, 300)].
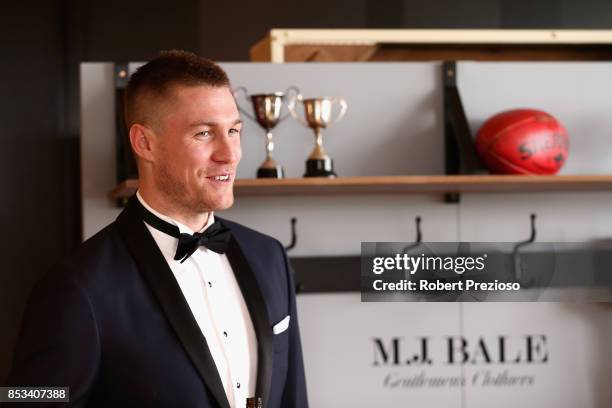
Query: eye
[(204, 133), (234, 131)]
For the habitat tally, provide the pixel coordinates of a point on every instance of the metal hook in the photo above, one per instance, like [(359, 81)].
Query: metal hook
[(518, 270), (293, 235), (419, 235)]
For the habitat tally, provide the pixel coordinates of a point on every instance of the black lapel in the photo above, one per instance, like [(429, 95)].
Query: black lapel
[(158, 274), (259, 316)]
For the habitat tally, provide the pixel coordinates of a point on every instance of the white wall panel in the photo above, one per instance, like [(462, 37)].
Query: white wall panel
[(394, 126)]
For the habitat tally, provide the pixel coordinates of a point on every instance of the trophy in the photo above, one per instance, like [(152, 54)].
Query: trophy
[(267, 108), (318, 113)]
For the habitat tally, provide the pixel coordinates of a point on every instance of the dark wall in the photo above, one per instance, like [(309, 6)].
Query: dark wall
[(135, 30), (43, 44), (38, 166), (39, 154), (230, 28)]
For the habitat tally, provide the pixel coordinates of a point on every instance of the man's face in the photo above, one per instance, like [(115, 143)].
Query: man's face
[(198, 148)]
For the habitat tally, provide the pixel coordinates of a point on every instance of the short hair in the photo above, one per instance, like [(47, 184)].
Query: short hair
[(157, 77)]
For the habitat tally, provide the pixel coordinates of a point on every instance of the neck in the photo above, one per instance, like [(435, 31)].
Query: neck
[(195, 221)]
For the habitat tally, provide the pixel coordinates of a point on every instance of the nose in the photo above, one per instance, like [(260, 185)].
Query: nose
[(227, 150)]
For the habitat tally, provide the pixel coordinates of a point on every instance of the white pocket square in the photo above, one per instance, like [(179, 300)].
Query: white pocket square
[(281, 326)]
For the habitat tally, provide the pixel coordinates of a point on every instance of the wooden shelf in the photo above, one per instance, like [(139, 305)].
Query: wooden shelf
[(405, 185), (325, 45)]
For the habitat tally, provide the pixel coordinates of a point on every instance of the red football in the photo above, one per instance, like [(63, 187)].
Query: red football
[(522, 141)]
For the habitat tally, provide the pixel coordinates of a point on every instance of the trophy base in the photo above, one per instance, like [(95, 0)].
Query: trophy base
[(320, 168), (276, 172)]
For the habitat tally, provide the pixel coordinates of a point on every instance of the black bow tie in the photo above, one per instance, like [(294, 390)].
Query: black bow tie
[(216, 237)]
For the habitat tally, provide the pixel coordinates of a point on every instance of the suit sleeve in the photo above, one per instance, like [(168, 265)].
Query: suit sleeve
[(294, 395), (58, 344)]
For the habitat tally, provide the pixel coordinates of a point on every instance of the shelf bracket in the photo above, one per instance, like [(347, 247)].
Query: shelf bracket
[(459, 150)]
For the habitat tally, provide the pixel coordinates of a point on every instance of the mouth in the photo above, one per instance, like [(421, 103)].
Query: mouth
[(221, 178)]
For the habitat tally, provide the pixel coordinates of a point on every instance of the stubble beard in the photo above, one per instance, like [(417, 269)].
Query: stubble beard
[(178, 195)]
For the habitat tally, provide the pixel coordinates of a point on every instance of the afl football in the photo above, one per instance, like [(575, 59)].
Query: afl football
[(522, 141)]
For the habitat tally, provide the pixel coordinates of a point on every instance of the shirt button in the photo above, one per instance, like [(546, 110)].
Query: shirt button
[(237, 385), (225, 333), (210, 284)]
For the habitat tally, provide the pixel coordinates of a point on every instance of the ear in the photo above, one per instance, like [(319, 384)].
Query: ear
[(141, 139)]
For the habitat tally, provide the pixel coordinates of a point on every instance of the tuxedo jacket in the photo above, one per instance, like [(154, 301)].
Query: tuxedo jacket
[(112, 324)]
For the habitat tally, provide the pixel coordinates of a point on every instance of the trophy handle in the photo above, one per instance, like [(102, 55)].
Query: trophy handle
[(343, 107), (296, 91), (291, 108), (243, 90)]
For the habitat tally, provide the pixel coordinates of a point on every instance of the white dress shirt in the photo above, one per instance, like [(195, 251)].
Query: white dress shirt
[(214, 297)]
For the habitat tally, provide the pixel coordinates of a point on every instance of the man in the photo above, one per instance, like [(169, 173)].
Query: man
[(170, 305)]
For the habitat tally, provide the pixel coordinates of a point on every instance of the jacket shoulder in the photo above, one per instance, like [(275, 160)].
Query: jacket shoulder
[(96, 254)]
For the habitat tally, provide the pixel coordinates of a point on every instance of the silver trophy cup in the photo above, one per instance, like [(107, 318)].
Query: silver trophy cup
[(318, 114), (267, 108)]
